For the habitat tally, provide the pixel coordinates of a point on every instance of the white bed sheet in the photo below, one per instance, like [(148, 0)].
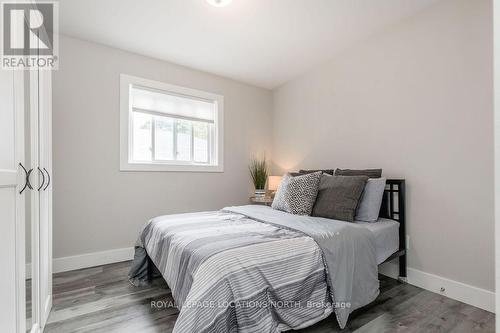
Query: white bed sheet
[(386, 237)]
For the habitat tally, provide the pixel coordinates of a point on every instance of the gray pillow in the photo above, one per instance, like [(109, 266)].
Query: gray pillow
[(304, 172), (328, 171), (371, 173), (296, 195), (369, 205), (338, 197)]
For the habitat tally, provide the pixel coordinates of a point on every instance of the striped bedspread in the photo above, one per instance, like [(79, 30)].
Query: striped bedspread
[(231, 272)]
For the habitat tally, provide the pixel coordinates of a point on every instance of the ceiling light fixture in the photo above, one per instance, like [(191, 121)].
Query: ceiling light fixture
[(219, 3)]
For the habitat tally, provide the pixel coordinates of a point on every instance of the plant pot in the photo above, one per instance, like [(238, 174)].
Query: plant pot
[(260, 193)]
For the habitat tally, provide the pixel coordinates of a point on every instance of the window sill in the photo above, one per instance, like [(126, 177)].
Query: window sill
[(170, 167)]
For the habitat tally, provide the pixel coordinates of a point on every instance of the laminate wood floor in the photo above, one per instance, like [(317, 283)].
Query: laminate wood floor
[(100, 299)]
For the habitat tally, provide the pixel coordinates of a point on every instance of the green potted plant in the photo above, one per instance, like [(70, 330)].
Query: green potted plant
[(259, 171)]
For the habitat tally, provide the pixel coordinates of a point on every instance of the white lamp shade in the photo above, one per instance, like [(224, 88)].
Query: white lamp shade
[(273, 182)]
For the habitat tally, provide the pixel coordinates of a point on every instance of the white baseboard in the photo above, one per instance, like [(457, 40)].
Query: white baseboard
[(459, 291), (86, 260)]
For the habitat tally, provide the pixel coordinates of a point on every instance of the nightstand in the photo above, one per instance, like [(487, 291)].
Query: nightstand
[(267, 201)]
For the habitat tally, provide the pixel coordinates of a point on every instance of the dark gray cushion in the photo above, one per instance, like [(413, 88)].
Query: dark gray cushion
[(371, 173), (338, 197), (305, 172), (328, 171), (294, 174), (296, 195)]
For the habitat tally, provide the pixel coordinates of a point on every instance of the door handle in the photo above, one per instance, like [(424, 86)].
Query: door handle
[(48, 181), (43, 178), (26, 178)]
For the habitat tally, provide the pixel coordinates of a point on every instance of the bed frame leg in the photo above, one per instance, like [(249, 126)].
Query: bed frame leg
[(402, 269)]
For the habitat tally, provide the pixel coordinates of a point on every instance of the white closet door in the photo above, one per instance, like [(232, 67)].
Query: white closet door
[(41, 196), (12, 179), (45, 193), (36, 302)]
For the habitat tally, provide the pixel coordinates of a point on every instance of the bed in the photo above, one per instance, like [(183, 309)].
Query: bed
[(255, 269)]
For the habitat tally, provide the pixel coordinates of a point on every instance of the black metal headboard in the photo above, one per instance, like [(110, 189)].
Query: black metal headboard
[(393, 202), (393, 207)]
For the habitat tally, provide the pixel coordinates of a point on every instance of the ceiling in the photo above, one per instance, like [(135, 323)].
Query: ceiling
[(261, 42)]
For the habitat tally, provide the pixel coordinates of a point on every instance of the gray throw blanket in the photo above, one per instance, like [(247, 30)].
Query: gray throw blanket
[(242, 258)]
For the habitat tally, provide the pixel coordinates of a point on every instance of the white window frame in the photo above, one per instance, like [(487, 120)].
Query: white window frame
[(216, 150)]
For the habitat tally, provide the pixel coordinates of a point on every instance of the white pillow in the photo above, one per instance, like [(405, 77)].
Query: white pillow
[(296, 195), (371, 199)]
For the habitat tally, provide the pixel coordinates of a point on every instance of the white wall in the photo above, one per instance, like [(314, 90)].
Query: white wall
[(97, 207), (415, 100)]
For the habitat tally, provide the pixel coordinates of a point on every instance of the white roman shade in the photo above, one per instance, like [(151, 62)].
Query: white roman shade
[(164, 127), (171, 104)]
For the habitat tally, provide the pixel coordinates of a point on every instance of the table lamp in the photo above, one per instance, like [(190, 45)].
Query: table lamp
[(273, 182)]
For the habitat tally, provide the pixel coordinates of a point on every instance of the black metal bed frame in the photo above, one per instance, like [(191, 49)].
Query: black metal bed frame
[(393, 207)]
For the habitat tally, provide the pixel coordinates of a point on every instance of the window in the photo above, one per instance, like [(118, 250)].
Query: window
[(169, 128)]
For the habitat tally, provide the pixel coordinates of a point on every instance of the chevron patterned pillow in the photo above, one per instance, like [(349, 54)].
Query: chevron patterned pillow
[(296, 195)]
